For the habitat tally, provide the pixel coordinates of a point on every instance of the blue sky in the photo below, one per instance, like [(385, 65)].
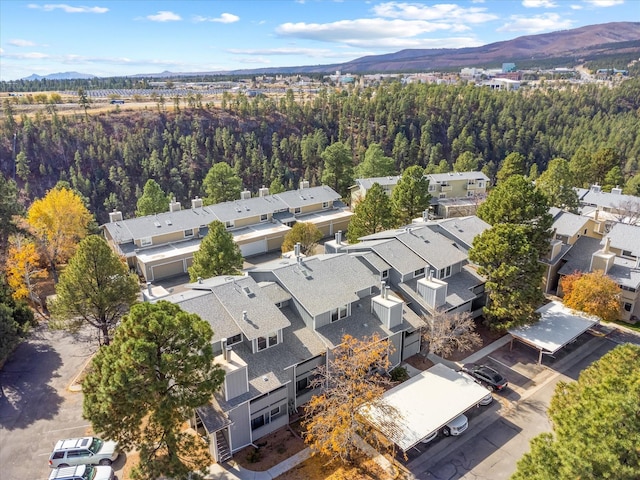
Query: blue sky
[(112, 38)]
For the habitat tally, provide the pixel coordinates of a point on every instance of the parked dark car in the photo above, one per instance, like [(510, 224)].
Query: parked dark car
[(486, 375)]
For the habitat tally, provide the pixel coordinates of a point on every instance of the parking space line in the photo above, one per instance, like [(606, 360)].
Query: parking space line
[(504, 364), (69, 428)]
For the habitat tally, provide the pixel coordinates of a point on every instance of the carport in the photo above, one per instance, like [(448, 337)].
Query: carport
[(558, 326), (425, 403)]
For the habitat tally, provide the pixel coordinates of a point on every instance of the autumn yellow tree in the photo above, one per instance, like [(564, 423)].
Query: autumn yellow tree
[(594, 293), (23, 267), (353, 378), (58, 222)]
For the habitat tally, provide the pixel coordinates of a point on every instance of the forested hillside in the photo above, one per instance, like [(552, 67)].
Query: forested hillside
[(108, 157)]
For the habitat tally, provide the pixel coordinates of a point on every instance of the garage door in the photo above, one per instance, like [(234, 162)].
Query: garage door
[(167, 270), (253, 248)]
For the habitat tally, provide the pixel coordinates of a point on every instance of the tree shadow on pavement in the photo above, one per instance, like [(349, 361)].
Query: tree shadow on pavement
[(25, 395)]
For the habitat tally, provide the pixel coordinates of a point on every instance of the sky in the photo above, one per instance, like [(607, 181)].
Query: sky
[(120, 37)]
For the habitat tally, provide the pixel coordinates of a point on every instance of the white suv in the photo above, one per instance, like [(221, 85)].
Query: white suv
[(83, 451), (83, 472)]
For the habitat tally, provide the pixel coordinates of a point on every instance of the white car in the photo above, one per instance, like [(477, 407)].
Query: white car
[(430, 437), (83, 472), (456, 426), (83, 451)]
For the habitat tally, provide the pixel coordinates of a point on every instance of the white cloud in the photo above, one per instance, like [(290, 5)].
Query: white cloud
[(17, 42), (477, 1), (254, 60), (447, 12), (576, 7), (223, 18), (26, 56), (68, 8), (536, 24), (164, 16), (539, 4), (604, 3)]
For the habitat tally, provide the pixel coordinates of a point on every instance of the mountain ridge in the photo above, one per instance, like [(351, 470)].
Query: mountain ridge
[(572, 44)]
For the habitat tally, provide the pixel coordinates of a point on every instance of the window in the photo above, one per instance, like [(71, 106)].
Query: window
[(384, 274), (445, 272), (325, 204), (275, 412), (338, 313), (228, 224), (235, 339), (264, 217), (470, 193), (188, 233), (480, 184), (442, 195), (628, 289), (146, 241), (626, 253), (471, 181), (297, 210), (259, 421), (432, 188), (266, 342), (627, 306), (418, 272)]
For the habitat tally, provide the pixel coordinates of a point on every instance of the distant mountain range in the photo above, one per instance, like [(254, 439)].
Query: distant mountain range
[(60, 76), (569, 46)]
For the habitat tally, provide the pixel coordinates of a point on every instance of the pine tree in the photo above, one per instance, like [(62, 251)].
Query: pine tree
[(410, 197), (219, 254), (153, 200), (371, 215)]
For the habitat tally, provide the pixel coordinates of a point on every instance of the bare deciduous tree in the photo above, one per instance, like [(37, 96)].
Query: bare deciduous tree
[(448, 332), (628, 211)]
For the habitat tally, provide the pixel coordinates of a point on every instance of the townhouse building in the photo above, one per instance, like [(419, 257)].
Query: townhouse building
[(162, 245), (275, 325), (457, 194)]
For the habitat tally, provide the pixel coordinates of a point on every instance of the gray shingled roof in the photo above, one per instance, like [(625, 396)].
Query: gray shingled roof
[(168, 222), (625, 237), (445, 177), (274, 292), (324, 282), (399, 256), (239, 209), (362, 323), (374, 260), (579, 257), (434, 248), (569, 224), (606, 199), (244, 295), (464, 229), (308, 196), (367, 183)]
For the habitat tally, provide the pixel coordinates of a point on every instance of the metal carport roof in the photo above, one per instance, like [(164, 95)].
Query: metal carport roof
[(425, 403), (558, 326)]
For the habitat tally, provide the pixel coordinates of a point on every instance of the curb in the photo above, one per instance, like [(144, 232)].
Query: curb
[(75, 386)]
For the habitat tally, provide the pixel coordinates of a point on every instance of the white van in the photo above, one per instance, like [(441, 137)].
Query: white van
[(456, 426)]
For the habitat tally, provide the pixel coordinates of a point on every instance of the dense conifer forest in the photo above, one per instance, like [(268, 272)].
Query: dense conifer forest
[(108, 157)]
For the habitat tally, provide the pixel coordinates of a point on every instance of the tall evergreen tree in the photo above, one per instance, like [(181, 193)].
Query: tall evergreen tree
[(410, 197), (96, 288), (153, 200), (371, 215), (375, 163), (513, 164), (221, 184), (219, 254), (556, 183), (509, 260), (338, 168), (143, 387)]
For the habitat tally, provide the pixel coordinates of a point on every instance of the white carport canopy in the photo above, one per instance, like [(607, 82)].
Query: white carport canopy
[(558, 326), (425, 403)]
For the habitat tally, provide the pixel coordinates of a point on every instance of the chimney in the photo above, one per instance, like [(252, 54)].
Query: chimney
[(595, 188), (339, 237), (607, 244), (199, 279), (386, 292), (617, 190), (383, 292), (263, 192), (296, 249), (174, 206), (196, 203), (115, 216), (304, 184), (225, 354), (244, 316), (430, 273), (149, 289), (245, 195), (595, 216)]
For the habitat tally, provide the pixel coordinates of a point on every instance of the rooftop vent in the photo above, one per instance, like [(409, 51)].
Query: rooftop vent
[(157, 224), (168, 222)]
